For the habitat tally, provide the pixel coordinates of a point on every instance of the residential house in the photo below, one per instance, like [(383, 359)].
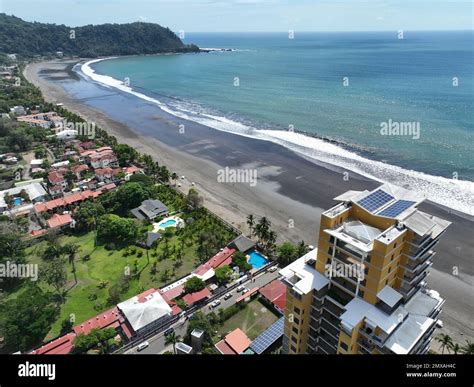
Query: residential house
[(56, 178), (106, 174), (150, 209), (78, 169), (60, 221), (234, 343), (56, 190)]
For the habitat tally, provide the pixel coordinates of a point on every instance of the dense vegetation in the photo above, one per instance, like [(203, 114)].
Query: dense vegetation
[(28, 39)]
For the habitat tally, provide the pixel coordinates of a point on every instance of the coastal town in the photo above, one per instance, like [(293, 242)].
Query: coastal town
[(131, 263), (125, 257)]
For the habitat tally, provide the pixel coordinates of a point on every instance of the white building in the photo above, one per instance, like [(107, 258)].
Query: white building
[(145, 311)]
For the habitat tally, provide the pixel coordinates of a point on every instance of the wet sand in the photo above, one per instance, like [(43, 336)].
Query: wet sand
[(291, 191)]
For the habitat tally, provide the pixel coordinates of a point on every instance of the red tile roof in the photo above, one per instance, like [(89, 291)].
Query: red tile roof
[(175, 309), (238, 340), (172, 293), (59, 220), (224, 348), (80, 168), (60, 346), (142, 296), (106, 319), (70, 199), (131, 169), (280, 302), (38, 232), (55, 177), (192, 298), (275, 292), (55, 188), (220, 259)]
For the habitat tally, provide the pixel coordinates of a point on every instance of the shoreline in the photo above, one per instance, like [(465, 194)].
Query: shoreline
[(330, 153), (290, 188)]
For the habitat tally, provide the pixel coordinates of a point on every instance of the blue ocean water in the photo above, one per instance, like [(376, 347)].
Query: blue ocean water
[(299, 83)]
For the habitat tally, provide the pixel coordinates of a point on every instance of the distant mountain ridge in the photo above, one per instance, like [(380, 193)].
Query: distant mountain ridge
[(33, 38)]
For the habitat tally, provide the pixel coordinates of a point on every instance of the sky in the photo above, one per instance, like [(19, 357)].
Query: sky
[(253, 15)]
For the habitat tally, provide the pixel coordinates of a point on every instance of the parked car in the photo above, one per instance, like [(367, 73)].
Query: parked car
[(245, 291), (169, 331), (142, 346), (215, 303), (273, 268), (240, 288), (227, 296)]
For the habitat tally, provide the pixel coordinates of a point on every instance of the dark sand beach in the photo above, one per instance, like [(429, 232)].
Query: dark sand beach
[(291, 190)]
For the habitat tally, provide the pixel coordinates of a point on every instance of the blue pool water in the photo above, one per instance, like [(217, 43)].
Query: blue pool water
[(17, 201), (257, 260), (168, 223)]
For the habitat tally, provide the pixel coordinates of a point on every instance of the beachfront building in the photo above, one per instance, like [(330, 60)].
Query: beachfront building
[(150, 209), (363, 290), (42, 120)]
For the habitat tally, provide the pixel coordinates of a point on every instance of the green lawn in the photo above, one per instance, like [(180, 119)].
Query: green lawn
[(104, 269), (253, 320)]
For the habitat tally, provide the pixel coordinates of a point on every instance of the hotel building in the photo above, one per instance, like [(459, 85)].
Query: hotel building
[(363, 290)]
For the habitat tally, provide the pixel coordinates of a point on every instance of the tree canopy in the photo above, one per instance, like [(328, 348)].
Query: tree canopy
[(194, 284), (28, 39), (28, 318), (116, 229)]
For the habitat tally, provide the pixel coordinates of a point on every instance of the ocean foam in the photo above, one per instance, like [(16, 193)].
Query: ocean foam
[(452, 193)]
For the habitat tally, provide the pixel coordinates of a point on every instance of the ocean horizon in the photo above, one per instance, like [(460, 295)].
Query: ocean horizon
[(327, 96)]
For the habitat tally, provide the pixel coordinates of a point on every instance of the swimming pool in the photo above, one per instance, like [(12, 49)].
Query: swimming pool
[(257, 260), (17, 201), (168, 223), (172, 221)]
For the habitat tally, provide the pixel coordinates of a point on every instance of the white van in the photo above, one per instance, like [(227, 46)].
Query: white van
[(142, 346)]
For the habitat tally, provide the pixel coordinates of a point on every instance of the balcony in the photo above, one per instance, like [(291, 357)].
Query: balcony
[(416, 253), (329, 330), (345, 284), (332, 307), (326, 347), (372, 337), (339, 296), (346, 248), (416, 266), (334, 321), (364, 346)]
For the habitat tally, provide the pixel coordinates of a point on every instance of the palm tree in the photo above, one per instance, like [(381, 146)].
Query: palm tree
[(174, 177), (53, 250), (455, 348), (172, 338), (271, 239), (71, 249), (446, 342), (164, 174), (468, 349), (251, 223)]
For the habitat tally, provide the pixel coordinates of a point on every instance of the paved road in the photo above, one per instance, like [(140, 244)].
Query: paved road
[(157, 342)]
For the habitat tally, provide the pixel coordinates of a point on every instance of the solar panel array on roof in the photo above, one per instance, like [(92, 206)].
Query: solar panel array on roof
[(396, 208), (267, 338), (375, 200)]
